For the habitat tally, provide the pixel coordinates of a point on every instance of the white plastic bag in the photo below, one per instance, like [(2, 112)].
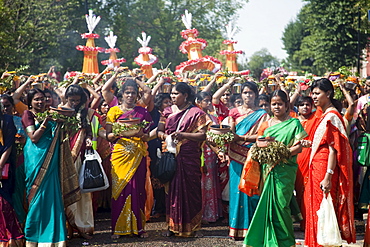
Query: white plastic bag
[(328, 233), (92, 176)]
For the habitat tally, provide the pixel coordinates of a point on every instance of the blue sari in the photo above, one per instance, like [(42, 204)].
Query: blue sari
[(241, 206), (45, 222)]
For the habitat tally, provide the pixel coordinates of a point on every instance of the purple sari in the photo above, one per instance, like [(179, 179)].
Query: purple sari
[(184, 201), (128, 188)]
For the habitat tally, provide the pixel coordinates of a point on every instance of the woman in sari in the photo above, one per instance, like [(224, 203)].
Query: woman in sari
[(80, 214), (128, 167), (18, 197), (330, 167), (211, 192), (184, 125), (308, 119), (245, 120), (272, 223), (45, 222)]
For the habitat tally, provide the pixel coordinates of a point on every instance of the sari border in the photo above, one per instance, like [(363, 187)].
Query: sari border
[(44, 167)]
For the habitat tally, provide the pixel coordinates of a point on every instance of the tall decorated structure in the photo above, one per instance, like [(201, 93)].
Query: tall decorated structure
[(193, 46), (231, 54), (90, 63), (146, 59), (113, 61)]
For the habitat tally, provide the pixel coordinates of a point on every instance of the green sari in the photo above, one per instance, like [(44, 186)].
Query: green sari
[(272, 223)]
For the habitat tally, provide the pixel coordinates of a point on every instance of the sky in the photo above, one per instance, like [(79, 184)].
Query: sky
[(262, 23)]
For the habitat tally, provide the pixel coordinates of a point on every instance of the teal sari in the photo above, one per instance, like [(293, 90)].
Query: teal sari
[(272, 224), (241, 206), (45, 222)]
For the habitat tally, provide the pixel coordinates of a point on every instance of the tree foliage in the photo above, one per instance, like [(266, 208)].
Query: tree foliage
[(324, 36), (260, 60), (39, 33), (45, 32)]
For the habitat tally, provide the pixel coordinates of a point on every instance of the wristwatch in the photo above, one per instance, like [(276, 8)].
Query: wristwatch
[(330, 171)]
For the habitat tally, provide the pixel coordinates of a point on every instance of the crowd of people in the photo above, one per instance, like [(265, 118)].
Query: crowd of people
[(40, 198)]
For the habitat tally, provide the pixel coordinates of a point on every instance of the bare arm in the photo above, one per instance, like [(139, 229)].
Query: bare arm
[(198, 136), (208, 88), (161, 81), (351, 104), (18, 93), (296, 149), (96, 97), (35, 135), (295, 95), (218, 94), (147, 92), (106, 89), (332, 162)]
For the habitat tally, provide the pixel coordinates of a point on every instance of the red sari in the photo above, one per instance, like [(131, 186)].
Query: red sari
[(330, 130), (303, 160)]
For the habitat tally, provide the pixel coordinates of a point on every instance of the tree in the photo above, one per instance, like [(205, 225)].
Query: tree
[(329, 38), (260, 60), (39, 33)]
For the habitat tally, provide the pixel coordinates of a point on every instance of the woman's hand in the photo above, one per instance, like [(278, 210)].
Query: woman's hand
[(223, 157), (306, 143), (88, 143), (177, 137), (325, 185), (263, 142)]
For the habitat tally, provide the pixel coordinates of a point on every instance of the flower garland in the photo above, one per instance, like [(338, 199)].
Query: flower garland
[(152, 60), (228, 42), (88, 48), (145, 50), (111, 61), (112, 50), (90, 35), (187, 43), (185, 33), (206, 59), (227, 52)]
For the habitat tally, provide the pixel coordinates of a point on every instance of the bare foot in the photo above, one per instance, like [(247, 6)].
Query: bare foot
[(144, 235), (198, 234), (115, 236), (167, 233)]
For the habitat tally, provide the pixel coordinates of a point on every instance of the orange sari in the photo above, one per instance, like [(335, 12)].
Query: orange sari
[(330, 130), (303, 160)]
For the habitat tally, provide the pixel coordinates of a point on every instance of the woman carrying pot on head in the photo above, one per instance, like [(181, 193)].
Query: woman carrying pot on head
[(211, 192), (245, 120), (79, 214), (184, 126), (128, 166)]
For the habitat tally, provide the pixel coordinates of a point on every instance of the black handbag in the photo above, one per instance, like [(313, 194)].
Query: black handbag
[(166, 167)]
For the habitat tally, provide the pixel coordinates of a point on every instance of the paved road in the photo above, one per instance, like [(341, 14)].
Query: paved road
[(215, 235)]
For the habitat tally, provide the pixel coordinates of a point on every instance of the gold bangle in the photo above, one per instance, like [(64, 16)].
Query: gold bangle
[(43, 126)]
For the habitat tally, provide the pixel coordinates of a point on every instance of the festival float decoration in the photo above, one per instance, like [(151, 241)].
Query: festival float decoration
[(113, 61), (193, 46), (146, 59), (231, 53), (90, 64)]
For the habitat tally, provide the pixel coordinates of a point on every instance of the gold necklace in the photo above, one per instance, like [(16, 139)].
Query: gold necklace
[(124, 109)]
